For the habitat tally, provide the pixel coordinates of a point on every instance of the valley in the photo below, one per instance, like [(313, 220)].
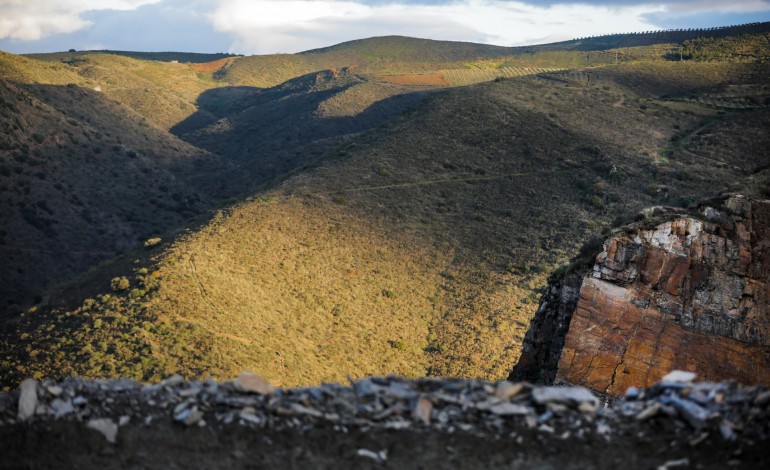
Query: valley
[(388, 205)]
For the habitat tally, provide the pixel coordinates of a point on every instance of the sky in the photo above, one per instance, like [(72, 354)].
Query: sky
[(287, 26)]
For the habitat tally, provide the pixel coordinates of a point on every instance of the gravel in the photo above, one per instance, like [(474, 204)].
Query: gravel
[(385, 421)]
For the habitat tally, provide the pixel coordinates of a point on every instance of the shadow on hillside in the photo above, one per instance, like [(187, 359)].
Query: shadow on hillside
[(271, 132)]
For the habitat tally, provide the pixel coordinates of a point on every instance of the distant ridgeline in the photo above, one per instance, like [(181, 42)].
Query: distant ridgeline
[(649, 38), (191, 57)]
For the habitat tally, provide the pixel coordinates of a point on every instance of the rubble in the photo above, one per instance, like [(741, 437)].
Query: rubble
[(105, 426), (27, 399), (682, 415)]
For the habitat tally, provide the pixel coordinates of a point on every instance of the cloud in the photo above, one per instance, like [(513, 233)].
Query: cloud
[(269, 26), (30, 20)]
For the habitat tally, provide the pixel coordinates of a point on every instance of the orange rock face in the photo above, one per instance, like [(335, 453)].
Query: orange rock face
[(689, 294)]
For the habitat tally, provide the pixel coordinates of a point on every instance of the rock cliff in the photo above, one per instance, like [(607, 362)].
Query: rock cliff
[(681, 290)]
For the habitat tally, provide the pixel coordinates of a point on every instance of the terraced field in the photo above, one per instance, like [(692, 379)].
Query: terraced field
[(462, 77)]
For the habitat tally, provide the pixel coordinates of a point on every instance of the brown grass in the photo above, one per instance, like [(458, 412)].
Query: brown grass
[(432, 79), (214, 66)]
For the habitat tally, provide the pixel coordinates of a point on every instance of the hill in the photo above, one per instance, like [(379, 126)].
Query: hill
[(162, 92), (418, 247), (82, 178), (401, 224), (169, 56), (648, 38)]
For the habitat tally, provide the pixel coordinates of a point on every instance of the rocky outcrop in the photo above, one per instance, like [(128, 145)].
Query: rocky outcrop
[(689, 292), (544, 341)]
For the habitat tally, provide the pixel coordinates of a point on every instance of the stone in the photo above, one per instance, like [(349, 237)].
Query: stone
[(692, 413), (189, 416), (304, 410), (247, 382), (679, 376), (632, 393), (509, 409), (422, 410), (763, 398), (726, 430), (106, 427), (172, 381), (571, 396), (61, 407), (506, 390), (649, 412), (379, 457), (678, 463), (54, 390), (27, 399), (188, 392), (250, 417)]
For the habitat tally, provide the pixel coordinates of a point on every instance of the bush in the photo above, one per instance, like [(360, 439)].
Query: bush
[(151, 242), (120, 283), (137, 293)]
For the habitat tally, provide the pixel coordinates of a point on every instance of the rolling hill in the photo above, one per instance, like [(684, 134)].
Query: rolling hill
[(379, 220), (418, 247)]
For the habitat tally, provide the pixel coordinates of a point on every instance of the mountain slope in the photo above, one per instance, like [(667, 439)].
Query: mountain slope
[(274, 131), (163, 92), (82, 178), (418, 247)]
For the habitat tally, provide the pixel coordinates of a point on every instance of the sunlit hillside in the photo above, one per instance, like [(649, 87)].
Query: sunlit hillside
[(418, 247)]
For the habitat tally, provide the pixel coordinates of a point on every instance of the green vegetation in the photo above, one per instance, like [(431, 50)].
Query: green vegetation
[(394, 224), (187, 57)]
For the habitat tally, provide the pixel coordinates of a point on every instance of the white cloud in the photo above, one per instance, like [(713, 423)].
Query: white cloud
[(718, 6), (30, 20), (269, 26)]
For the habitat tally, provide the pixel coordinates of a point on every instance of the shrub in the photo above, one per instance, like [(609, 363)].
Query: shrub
[(137, 293), (151, 242), (599, 187), (120, 283)]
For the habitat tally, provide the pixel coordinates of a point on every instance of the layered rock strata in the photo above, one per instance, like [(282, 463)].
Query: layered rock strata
[(691, 293)]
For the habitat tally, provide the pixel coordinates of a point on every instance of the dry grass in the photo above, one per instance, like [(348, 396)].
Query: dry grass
[(295, 289), (427, 79), (418, 247)]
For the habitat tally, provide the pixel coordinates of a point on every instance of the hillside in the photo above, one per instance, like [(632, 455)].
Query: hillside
[(418, 247), (168, 56), (82, 178), (278, 130), (648, 38), (163, 92)]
